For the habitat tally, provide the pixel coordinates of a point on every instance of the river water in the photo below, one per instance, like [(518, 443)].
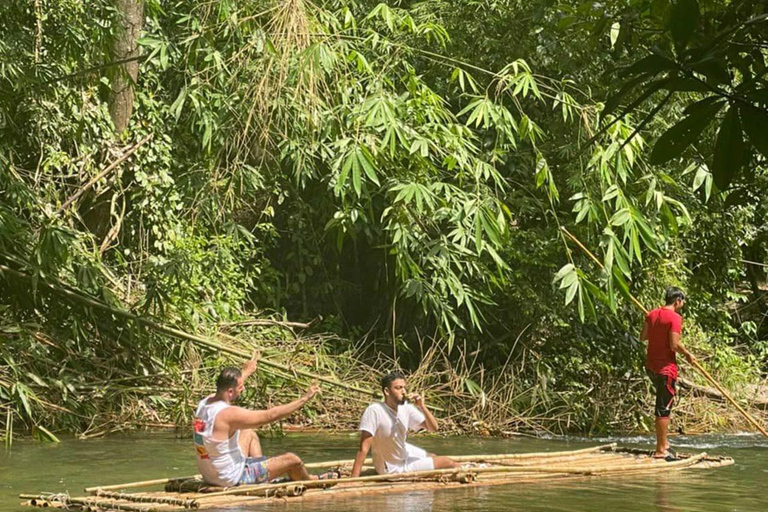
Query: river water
[(29, 467)]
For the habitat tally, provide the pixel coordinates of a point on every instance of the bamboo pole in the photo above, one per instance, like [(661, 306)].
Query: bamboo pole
[(696, 364), (143, 498), (478, 458), (83, 503), (143, 483)]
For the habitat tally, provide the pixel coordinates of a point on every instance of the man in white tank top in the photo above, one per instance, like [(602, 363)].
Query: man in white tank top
[(384, 428), (228, 449)]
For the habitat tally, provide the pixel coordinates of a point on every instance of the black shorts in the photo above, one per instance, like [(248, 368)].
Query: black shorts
[(665, 393)]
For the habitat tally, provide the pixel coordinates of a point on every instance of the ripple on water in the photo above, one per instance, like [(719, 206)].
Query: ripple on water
[(72, 465)]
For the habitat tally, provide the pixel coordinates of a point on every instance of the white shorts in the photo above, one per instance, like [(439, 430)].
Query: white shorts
[(416, 459)]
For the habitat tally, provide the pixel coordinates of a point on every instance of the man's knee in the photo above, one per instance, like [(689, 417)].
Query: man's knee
[(292, 459), (444, 463)]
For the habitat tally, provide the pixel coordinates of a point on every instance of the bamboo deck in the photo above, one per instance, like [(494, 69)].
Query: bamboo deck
[(482, 470)]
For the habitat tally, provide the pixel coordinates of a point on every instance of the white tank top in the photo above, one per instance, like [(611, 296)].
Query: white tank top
[(220, 462)]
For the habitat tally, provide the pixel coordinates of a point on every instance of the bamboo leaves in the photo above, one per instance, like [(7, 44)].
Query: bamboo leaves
[(358, 162)]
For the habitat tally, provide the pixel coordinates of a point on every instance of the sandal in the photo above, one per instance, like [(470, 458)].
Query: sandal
[(333, 474)]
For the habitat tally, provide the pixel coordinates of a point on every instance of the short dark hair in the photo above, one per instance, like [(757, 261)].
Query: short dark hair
[(672, 294), (389, 378), (228, 378)]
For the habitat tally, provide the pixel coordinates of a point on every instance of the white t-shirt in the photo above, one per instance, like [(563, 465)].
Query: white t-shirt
[(389, 431)]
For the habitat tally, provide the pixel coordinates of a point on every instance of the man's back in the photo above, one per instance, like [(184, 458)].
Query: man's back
[(660, 358)]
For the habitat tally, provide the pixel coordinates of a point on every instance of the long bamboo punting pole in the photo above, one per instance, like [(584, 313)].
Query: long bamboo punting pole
[(696, 364)]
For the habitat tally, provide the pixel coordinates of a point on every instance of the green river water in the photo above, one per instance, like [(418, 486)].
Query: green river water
[(71, 465)]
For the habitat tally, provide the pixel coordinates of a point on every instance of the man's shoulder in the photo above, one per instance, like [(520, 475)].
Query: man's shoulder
[(374, 408), (668, 313)]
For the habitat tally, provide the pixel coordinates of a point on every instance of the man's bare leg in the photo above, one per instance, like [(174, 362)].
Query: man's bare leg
[(288, 463), (443, 462), (662, 442), (249, 443)]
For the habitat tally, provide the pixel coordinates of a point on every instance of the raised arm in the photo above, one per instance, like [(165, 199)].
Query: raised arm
[(430, 423), (238, 418), (250, 366), (366, 439)]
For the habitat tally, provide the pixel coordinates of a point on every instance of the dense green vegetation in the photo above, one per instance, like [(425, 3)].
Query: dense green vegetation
[(402, 175)]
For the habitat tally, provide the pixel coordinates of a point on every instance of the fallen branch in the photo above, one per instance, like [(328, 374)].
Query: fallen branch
[(176, 333), (267, 322)]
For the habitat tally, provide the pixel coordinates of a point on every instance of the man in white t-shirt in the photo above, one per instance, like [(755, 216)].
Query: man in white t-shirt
[(384, 427)]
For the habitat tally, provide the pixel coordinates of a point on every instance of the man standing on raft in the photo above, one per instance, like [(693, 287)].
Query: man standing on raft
[(384, 428), (662, 329), (228, 450)]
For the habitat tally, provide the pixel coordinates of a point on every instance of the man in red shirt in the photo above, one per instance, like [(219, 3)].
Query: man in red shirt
[(662, 329)]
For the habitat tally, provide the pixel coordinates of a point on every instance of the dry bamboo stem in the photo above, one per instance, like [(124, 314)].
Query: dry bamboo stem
[(138, 498), (134, 485), (170, 331), (478, 458), (696, 364), (84, 503)]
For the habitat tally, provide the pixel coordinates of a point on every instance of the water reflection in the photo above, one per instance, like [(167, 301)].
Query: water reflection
[(662, 492)]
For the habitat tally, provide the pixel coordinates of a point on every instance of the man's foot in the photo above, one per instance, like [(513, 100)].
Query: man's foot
[(660, 455)]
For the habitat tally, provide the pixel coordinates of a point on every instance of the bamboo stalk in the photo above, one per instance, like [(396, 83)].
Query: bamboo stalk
[(135, 485), (696, 364), (176, 333), (83, 503), (138, 498), (478, 458)]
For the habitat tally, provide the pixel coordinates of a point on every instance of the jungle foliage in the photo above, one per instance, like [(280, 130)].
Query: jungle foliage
[(391, 172)]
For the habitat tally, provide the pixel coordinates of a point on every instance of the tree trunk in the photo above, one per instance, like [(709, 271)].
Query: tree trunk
[(124, 76)]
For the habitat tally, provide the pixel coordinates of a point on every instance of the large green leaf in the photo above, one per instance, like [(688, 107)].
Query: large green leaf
[(729, 150), (680, 136), (683, 20), (755, 122), (651, 64)]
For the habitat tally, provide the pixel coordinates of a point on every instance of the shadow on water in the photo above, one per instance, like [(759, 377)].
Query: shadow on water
[(72, 465)]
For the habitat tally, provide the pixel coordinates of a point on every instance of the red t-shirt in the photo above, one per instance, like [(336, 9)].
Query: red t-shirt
[(660, 358)]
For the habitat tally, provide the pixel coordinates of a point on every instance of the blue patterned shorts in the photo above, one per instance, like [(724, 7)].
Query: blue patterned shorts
[(255, 471)]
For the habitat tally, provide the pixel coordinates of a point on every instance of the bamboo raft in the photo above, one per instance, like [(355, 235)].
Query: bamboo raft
[(184, 493)]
